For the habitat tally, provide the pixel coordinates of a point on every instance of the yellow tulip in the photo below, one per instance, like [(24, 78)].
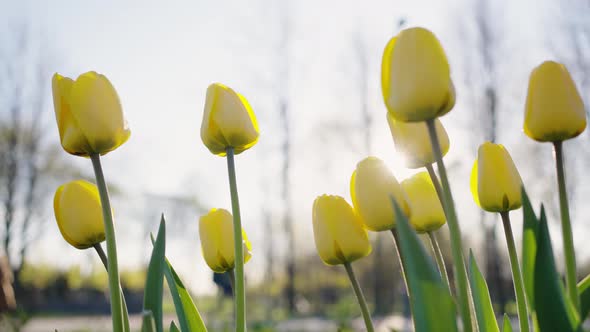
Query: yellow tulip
[(339, 234), (372, 186), (415, 77), (78, 212), (413, 141), (554, 108), (89, 114), (228, 121), (495, 181), (427, 213), (216, 230)]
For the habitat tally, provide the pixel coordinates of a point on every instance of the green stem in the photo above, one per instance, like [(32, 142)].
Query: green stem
[(360, 297), (104, 260), (568, 238), (239, 291), (440, 261), (436, 183), (109, 228), (402, 263), (523, 316), (455, 231)]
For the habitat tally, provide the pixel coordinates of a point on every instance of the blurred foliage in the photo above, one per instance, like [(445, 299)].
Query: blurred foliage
[(45, 275)]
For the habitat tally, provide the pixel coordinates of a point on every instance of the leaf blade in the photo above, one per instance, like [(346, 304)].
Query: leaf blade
[(433, 308), (486, 319), (189, 317), (529, 248), (552, 310), (154, 285)]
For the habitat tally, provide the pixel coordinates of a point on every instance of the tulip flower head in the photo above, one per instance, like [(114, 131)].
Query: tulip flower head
[(413, 141), (217, 240), (228, 121), (372, 186), (89, 114), (78, 213), (427, 213), (495, 181), (415, 77), (339, 234), (554, 109)]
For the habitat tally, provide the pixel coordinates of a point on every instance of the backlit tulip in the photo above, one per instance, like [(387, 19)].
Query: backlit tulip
[(554, 108), (78, 213), (413, 141), (228, 121), (427, 213), (339, 234), (372, 187), (415, 77), (217, 240), (89, 114), (495, 181)]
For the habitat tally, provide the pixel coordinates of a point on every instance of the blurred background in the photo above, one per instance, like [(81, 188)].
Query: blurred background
[(311, 71)]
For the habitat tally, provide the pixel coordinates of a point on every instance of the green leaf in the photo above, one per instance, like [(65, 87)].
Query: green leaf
[(486, 319), (507, 325), (154, 285), (529, 248), (432, 305), (188, 316), (147, 321), (584, 291), (173, 327), (553, 312)]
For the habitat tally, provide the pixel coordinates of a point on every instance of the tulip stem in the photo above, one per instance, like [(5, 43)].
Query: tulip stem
[(103, 259), (455, 231), (440, 261), (516, 275), (239, 291), (101, 255), (360, 297), (436, 183), (402, 263), (112, 264), (568, 238)]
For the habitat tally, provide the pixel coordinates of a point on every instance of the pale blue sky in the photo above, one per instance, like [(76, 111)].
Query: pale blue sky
[(161, 58)]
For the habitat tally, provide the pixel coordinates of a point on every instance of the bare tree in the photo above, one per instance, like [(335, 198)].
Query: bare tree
[(482, 74), (282, 85), (31, 164)]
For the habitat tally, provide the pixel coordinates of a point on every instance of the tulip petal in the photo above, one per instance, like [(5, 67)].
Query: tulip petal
[(554, 109), (498, 182), (97, 110), (228, 121), (72, 138), (415, 76), (78, 213), (338, 232)]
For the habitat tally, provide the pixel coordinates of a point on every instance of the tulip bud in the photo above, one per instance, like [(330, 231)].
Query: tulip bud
[(78, 212), (372, 186), (495, 181), (228, 121), (427, 213), (415, 77), (216, 230), (89, 114), (554, 109), (412, 140), (339, 234)]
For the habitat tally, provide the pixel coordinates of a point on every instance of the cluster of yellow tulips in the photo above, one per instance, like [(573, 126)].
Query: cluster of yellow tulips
[(417, 89)]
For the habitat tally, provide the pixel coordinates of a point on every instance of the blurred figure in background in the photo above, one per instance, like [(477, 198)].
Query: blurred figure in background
[(7, 302)]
